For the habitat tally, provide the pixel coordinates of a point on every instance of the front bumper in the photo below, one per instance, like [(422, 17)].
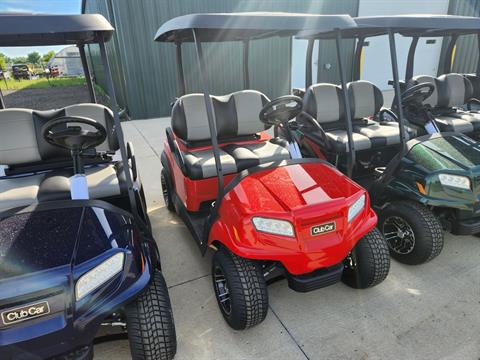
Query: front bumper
[(325, 252), (315, 280)]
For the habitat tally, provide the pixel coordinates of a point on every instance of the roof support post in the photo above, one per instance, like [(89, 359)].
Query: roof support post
[(411, 59), (118, 128), (396, 86), (2, 102), (86, 72), (348, 115), (357, 61), (246, 71), (212, 123), (180, 74), (477, 70), (448, 64), (308, 63)]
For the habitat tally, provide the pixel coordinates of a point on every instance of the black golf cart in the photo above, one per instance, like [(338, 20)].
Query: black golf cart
[(76, 248), (450, 102)]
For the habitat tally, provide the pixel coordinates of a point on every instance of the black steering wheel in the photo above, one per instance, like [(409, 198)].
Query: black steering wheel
[(417, 94), (281, 110), (57, 133)]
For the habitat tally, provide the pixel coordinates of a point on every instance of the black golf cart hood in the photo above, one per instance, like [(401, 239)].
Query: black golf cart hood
[(54, 235), (447, 151)]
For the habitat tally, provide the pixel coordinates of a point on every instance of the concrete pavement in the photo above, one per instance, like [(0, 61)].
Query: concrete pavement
[(423, 312)]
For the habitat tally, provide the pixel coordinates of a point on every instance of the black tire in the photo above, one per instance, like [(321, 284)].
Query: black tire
[(167, 191), (425, 227), (369, 262), (150, 326), (246, 289)]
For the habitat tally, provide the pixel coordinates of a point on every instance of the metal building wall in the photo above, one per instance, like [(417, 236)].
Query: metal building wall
[(466, 52), (147, 83)]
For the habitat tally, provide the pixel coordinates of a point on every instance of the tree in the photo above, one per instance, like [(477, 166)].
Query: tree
[(3, 62), (19, 60), (46, 57), (33, 57)]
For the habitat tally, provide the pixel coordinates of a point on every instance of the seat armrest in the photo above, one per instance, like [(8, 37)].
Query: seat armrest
[(177, 154)]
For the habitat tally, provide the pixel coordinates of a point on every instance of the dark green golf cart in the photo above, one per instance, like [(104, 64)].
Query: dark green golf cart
[(420, 181)]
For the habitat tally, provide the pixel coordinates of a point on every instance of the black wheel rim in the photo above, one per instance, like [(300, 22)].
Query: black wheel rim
[(165, 191), (399, 235), (221, 290)]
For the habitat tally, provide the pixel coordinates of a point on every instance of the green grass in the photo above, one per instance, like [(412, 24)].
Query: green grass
[(40, 83)]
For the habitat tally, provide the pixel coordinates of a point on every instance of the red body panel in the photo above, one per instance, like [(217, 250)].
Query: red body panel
[(193, 192), (306, 194)]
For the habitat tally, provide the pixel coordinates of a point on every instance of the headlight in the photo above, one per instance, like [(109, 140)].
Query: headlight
[(273, 226), (356, 208), (99, 275), (460, 182)]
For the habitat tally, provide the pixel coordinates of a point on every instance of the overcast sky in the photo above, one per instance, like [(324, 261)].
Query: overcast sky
[(37, 6)]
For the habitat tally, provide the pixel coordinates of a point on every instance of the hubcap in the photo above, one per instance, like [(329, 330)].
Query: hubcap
[(221, 290), (399, 235)]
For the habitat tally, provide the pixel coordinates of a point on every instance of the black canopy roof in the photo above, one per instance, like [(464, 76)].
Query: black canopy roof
[(409, 25), (31, 30), (249, 25)]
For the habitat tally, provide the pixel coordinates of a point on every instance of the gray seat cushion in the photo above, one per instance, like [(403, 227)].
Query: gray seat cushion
[(455, 124), (324, 102), (201, 164), (339, 140), (250, 155), (365, 99), (234, 158), (236, 115), (383, 134), (103, 182)]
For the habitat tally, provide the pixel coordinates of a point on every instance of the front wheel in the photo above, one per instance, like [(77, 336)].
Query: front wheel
[(413, 233), (240, 289), (369, 262), (150, 326)]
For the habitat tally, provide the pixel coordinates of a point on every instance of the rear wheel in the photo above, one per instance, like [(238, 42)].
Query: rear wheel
[(150, 326), (167, 191), (240, 289), (368, 263), (413, 233)]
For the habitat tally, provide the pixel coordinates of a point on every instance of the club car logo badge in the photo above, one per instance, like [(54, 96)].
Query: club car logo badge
[(323, 228), (25, 313)]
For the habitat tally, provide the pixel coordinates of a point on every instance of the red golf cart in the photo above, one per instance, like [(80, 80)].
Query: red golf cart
[(263, 210)]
